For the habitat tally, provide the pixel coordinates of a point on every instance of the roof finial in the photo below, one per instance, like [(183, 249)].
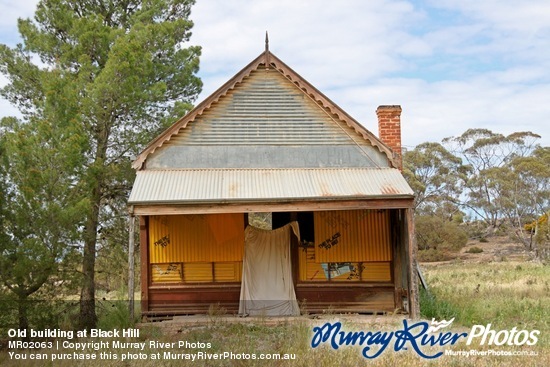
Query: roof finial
[(266, 53)]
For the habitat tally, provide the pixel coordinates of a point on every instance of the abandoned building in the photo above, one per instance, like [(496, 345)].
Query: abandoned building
[(267, 141)]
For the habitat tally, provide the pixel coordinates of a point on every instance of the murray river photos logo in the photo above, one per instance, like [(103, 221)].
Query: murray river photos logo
[(417, 337)]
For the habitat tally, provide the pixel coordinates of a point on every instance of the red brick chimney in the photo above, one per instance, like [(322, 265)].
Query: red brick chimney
[(389, 130)]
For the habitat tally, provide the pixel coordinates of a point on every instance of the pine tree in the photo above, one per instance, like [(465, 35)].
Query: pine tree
[(113, 73), (40, 210)]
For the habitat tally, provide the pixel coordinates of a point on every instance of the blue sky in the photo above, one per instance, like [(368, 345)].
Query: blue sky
[(451, 64)]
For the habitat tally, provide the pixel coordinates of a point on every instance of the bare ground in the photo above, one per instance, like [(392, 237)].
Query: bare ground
[(498, 248)]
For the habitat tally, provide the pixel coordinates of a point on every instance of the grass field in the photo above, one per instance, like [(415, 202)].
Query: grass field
[(505, 294)]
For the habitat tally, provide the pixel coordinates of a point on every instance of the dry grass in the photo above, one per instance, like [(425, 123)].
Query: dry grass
[(505, 294)]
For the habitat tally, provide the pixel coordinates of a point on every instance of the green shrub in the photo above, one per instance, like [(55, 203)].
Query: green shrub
[(432, 255), (475, 229), (435, 233), (474, 250)]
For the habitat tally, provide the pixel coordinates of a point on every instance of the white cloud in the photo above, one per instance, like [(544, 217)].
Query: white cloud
[(505, 30), (525, 16), (11, 11), (355, 54), (352, 34), (451, 64), (433, 111)]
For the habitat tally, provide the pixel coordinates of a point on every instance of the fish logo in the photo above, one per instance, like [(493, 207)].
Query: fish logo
[(436, 325)]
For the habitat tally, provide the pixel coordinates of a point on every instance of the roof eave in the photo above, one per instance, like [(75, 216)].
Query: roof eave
[(271, 200)]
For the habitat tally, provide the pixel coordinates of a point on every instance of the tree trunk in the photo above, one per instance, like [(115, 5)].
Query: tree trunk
[(88, 317), (22, 315)]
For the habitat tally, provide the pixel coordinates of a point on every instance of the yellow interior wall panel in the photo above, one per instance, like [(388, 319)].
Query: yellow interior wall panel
[(309, 269), (196, 238), (197, 272), (377, 272), (228, 272), (313, 271), (161, 273), (352, 236)]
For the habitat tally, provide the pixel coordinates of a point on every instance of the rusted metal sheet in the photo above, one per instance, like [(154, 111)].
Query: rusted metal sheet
[(268, 185), (184, 299), (364, 271), (196, 238), (315, 298), (345, 298), (352, 236)]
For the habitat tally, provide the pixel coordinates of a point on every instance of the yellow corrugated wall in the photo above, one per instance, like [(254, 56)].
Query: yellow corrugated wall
[(186, 247), (166, 272), (197, 272), (196, 238), (352, 236), (371, 272), (196, 248)]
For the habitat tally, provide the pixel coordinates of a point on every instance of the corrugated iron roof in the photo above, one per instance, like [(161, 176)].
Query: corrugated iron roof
[(266, 185)]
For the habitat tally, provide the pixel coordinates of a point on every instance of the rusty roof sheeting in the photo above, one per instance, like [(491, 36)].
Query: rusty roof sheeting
[(266, 185)]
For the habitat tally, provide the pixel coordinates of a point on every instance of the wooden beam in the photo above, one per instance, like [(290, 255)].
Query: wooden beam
[(411, 269), (397, 263), (131, 270), (144, 257), (296, 206)]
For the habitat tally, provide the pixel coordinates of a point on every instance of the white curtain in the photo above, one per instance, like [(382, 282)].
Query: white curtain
[(267, 286)]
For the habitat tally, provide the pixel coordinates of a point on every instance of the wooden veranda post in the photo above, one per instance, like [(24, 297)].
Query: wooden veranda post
[(414, 312), (131, 268)]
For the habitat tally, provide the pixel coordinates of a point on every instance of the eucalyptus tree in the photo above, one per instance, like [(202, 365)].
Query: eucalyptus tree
[(488, 157), (527, 197), (116, 72), (436, 175)]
